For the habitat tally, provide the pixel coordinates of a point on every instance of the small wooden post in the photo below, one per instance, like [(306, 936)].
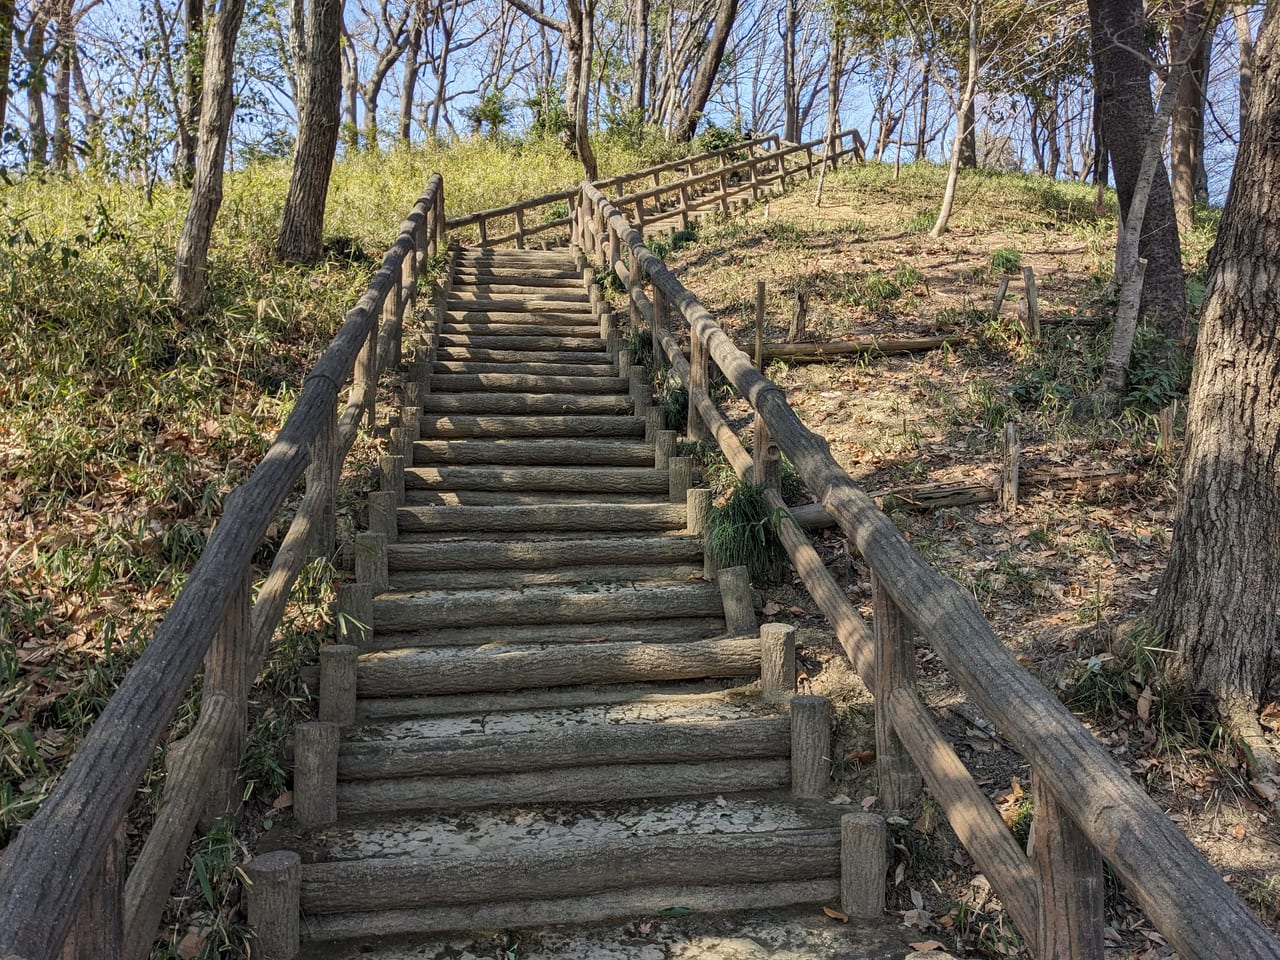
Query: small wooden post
[(766, 456), (1069, 872), (1001, 289), (411, 423), (657, 323), (810, 747), (697, 506), (382, 514), (322, 477), (735, 595), (355, 613), (338, 683), (638, 387), (401, 444), (1033, 307), (895, 667), (391, 477), (759, 324), (371, 561), (392, 306), (624, 363), (1010, 456), (684, 207), (98, 930), (655, 422), (864, 861), (273, 902), (698, 379), (604, 316), (664, 448), (519, 229), (680, 478), (778, 659), (315, 773)]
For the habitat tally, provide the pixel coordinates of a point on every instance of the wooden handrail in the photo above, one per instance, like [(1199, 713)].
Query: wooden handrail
[(50, 864), (1182, 894)]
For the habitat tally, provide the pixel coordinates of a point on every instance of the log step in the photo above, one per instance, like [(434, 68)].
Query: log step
[(522, 403), (520, 305), (531, 426), (581, 603), (467, 275), (550, 698), (509, 293), (402, 673), (523, 342), (674, 730), (666, 630), (575, 479), (524, 329), (525, 854), (542, 555), (518, 579), (542, 370), (622, 517), (587, 359), (506, 382), (535, 452), (473, 313), (500, 498)]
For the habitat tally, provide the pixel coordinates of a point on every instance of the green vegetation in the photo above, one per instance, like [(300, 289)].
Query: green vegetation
[(740, 532)]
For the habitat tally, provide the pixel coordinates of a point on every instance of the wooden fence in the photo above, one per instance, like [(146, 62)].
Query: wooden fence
[(1087, 808), (63, 889), (707, 181)]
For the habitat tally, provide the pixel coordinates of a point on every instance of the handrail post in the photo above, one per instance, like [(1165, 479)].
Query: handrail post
[(392, 316), (767, 457), (696, 427), (322, 477), (895, 667), (228, 672), (657, 322), (98, 930), (1069, 874), (366, 374)]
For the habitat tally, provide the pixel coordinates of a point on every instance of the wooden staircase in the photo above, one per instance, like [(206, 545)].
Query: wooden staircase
[(554, 718)]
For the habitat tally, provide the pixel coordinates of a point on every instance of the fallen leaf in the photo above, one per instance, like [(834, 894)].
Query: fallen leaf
[(860, 756), (835, 914), (918, 918), (869, 802), (928, 945), (1239, 831), (192, 945), (1144, 704), (1270, 716), (284, 801), (798, 611), (644, 928), (771, 609), (1267, 791)]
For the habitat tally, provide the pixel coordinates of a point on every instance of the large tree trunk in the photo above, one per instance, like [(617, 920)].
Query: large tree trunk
[(1118, 33), (1219, 602), (189, 105), (409, 84), (705, 77), (579, 42), (1189, 19), (6, 56), (215, 128), (1240, 13), (302, 230), (640, 55), (65, 48), (969, 142), (37, 82)]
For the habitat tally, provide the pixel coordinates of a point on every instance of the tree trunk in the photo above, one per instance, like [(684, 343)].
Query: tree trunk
[(189, 105), (1189, 20), (579, 42), (969, 142), (410, 82), (790, 94), (64, 47), (37, 81), (640, 58), (350, 85), (962, 110), (1240, 13), (302, 230), (922, 127), (1219, 602), (217, 88), (6, 56), (1118, 34), (705, 77)]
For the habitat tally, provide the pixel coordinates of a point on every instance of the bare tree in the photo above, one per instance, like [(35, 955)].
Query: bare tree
[(188, 286), (705, 77), (302, 230), (963, 112)]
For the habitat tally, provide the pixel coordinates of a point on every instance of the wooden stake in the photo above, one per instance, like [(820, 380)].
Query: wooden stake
[(655, 422), (273, 901), (759, 325), (371, 561), (698, 506), (766, 456), (864, 861), (778, 660), (338, 683), (322, 477), (1011, 454), (810, 747), (1033, 308), (638, 387), (1069, 872), (895, 667), (664, 448), (355, 613), (696, 429), (391, 477), (382, 514), (735, 594), (680, 478), (315, 774), (1002, 288), (227, 672)]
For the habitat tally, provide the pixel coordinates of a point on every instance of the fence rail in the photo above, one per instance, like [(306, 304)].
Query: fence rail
[(706, 181), (1087, 808), (62, 887)]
